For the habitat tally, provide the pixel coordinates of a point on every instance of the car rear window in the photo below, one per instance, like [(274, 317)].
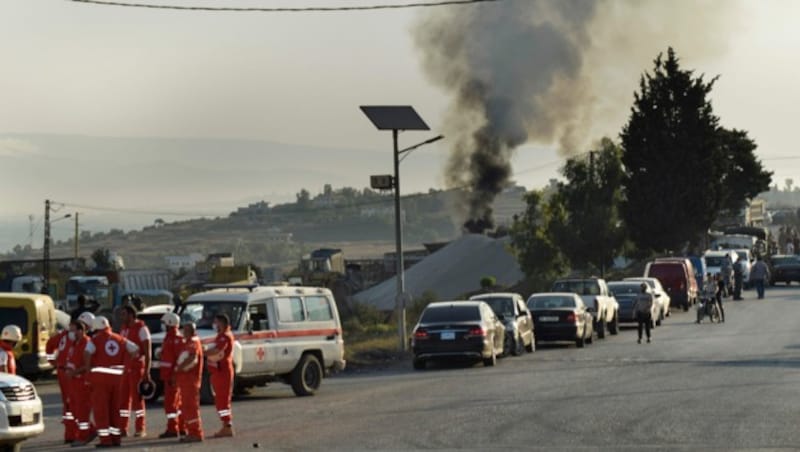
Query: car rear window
[(625, 289), (580, 287), (551, 302), (14, 316), (450, 313), (668, 272), (500, 305), (715, 261)]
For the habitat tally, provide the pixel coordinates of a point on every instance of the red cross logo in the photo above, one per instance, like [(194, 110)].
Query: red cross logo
[(260, 353)]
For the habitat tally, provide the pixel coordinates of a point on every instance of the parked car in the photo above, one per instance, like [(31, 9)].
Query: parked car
[(746, 259), (151, 316), (21, 415), (626, 293), (598, 300), (700, 270), (283, 334), (715, 259), (510, 308), (561, 317), (457, 329), (784, 268), (677, 277), (35, 315), (661, 295)]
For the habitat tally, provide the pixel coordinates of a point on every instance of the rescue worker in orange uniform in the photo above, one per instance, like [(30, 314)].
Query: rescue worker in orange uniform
[(105, 356), (219, 359), (56, 351), (8, 340), (188, 377), (80, 401), (166, 369), (136, 370)]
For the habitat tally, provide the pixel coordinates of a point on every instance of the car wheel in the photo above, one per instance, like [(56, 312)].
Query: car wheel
[(508, 345), (530, 348), (16, 447), (491, 361), (580, 342), (307, 375), (600, 328), (613, 327), (157, 393), (589, 338), (660, 318), (420, 364)]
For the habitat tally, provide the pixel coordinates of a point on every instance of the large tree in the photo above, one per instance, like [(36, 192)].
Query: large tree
[(532, 241), (674, 164), (744, 176), (591, 234)]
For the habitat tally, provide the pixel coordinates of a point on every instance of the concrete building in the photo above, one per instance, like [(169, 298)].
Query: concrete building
[(178, 263)]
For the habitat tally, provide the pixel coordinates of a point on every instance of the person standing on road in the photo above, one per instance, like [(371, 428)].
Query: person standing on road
[(721, 287), (56, 350), (105, 356), (166, 370), (137, 369), (8, 340), (78, 386), (219, 357), (759, 275), (643, 307), (738, 278), (188, 377), (727, 272)]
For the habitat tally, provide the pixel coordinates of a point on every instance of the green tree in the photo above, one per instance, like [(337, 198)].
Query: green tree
[(745, 176), (303, 199), (674, 173), (591, 235), (532, 241)]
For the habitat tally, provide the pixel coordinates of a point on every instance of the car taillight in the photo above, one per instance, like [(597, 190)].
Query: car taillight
[(421, 334), (476, 331), (572, 318)]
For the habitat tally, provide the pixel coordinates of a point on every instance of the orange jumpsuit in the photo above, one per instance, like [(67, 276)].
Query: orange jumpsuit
[(80, 401), (7, 358), (134, 373), (57, 349), (166, 369), (188, 382), (221, 373), (108, 352)]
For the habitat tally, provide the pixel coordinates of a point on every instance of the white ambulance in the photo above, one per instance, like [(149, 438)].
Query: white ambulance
[(283, 333)]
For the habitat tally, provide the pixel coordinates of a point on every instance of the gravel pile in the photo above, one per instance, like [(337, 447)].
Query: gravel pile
[(451, 272)]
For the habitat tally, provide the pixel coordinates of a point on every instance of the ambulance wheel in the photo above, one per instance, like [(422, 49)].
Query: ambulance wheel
[(157, 393), (307, 376), (16, 447), (206, 390)]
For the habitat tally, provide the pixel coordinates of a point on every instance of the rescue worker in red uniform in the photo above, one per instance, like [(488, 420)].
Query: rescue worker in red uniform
[(80, 401), (56, 351), (8, 340), (136, 370), (166, 370), (188, 377), (105, 356), (219, 358)]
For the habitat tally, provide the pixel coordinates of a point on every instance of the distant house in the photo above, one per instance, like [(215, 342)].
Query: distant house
[(507, 204), (178, 263), (220, 260)]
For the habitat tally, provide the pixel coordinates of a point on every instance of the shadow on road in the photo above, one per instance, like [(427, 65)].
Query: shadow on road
[(790, 363)]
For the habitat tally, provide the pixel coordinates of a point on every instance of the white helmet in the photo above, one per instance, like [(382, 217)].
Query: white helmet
[(170, 319), (87, 318), (100, 323), (11, 333)]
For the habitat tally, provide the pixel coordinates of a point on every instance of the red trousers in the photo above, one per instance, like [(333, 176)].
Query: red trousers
[(81, 405), (172, 404), (189, 394), (130, 400), (67, 411), (105, 406), (222, 382)]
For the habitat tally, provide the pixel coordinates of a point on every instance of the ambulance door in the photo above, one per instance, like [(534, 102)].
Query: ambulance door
[(257, 340)]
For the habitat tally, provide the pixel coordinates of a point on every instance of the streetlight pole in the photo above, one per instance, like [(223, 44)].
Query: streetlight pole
[(400, 304), (75, 264), (46, 247)]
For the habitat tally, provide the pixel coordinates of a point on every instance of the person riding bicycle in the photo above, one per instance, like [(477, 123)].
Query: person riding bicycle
[(708, 295)]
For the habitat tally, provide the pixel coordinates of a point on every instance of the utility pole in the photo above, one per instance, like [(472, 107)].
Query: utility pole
[(46, 257), (398, 234), (76, 241)]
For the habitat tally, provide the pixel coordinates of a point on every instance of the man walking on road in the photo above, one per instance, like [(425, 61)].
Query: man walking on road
[(78, 386), (759, 275), (56, 350), (220, 365), (169, 355), (643, 307), (8, 340), (136, 370), (188, 378)]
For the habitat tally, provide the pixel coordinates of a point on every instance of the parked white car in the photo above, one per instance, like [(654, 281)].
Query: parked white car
[(21, 414), (661, 295), (597, 298)]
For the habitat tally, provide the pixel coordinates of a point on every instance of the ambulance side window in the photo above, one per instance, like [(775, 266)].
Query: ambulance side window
[(290, 309), (258, 316), (319, 309)]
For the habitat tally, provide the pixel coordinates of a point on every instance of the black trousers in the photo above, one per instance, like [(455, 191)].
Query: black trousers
[(644, 320)]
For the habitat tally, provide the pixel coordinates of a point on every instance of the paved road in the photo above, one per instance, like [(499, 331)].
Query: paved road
[(696, 387)]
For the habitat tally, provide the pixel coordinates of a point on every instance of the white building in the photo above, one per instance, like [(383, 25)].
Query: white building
[(178, 263)]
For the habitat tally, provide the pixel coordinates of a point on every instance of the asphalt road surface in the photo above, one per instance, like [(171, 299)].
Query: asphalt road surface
[(734, 386)]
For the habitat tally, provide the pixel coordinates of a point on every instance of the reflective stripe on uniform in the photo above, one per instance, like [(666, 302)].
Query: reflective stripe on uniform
[(50, 356), (114, 431), (107, 370), (172, 415), (83, 426), (165, 364), (124, 413), (102, 432), (139, 413), (224, 412)]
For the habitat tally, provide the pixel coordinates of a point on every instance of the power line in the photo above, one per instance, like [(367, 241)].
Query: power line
[(287, 9)]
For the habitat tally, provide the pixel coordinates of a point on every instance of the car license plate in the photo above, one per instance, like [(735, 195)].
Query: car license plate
[(548, 319), (27, 415), (448, 335)]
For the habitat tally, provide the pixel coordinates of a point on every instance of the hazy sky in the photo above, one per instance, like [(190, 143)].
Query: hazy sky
[(70, 68)]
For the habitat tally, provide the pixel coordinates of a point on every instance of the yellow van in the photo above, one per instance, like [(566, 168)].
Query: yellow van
[(35, 315)]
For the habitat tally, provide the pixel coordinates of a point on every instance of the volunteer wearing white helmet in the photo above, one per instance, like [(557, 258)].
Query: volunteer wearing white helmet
[(87, 318), (9, 338), (189, 375), (166, 370)]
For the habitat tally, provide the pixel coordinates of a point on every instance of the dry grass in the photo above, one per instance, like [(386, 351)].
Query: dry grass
[(373, 351)]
